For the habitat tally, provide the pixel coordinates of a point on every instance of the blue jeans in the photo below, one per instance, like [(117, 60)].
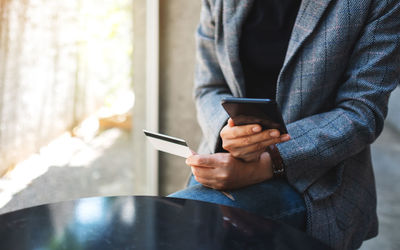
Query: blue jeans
[(274, 199)]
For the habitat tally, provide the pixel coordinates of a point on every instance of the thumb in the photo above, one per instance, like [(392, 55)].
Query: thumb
[(230, 122)]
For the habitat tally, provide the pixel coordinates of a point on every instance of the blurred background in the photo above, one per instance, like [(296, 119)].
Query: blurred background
[(80, 79), (65, 79)]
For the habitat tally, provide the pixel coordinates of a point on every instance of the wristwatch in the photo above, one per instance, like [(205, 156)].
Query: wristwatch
[(278, 167)]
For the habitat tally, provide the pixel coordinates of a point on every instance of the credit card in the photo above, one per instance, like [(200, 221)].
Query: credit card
[(168, 144), (175, 146)]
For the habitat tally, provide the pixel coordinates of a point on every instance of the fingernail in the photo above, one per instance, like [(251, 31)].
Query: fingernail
[(256, 129), (274, 134), (285, 137)]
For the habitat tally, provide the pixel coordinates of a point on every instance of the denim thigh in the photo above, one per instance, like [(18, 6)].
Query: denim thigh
[(274, 199)]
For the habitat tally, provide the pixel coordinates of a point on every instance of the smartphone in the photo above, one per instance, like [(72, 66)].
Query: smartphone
[(245, 111)]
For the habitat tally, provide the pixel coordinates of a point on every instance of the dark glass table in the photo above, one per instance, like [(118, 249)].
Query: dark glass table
[(144, 222)]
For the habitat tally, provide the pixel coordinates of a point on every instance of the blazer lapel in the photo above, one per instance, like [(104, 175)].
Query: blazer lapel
[(235, 13), (309, 15)]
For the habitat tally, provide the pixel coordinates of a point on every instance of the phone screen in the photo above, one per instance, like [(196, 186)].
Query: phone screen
[(245, 111)]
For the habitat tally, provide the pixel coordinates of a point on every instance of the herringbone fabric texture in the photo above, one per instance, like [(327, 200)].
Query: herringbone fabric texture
[(340, 68)]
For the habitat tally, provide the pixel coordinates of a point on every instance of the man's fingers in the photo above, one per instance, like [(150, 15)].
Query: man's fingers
[(285, 137), (196, 160), (202, 172), (245, 130), (248, 152), (204, 182), (208, 182), (231, 123), (229, 132), (207, 161), (267, 135)]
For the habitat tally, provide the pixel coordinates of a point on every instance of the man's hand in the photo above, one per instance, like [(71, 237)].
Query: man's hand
[(248, 142), (222, 171)]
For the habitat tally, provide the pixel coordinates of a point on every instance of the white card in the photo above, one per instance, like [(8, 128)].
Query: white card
[(169, 144), (173, 146)]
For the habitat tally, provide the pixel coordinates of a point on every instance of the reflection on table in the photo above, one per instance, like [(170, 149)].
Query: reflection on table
[(143, 222)]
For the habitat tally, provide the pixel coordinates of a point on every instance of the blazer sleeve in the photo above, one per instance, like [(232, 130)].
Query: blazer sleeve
[(324, 140), (210, 84)]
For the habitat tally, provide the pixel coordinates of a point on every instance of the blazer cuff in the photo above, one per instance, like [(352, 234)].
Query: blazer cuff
[(215, 140)]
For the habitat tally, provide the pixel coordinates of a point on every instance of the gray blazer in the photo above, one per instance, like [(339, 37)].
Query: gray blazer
[(340, 68)]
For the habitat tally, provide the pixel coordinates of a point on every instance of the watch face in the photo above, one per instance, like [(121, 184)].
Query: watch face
[(277, 164)]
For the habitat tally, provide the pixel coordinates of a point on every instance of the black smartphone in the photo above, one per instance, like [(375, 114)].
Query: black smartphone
[(245, 111)]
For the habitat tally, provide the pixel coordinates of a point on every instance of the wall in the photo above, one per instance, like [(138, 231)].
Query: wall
[(393, 118), (139, 87), (178, 21)]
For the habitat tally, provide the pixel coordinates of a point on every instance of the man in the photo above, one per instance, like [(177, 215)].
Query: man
[(340, 66)]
